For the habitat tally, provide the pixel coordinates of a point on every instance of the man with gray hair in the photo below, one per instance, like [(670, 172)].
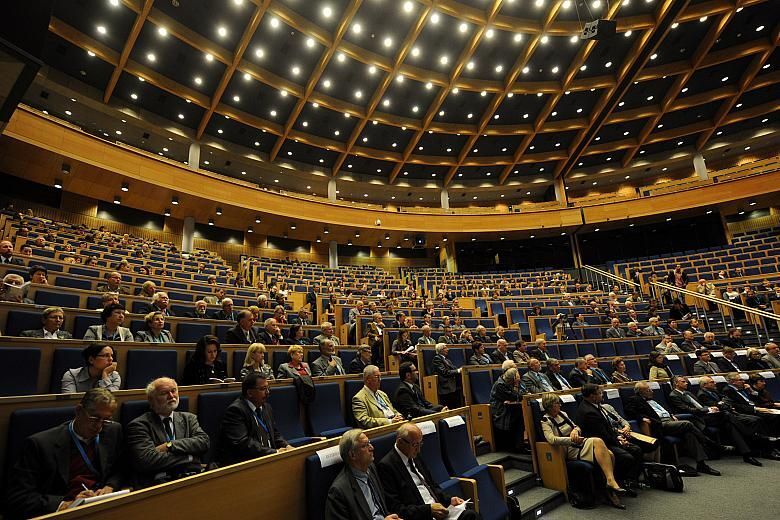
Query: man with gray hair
[(52, 319), (165, 444), (426, 338), (327, 333), (227, 312), (772, 356), (244, 332), (113, 283), (653, 329), (328, 364), (61, 464), (357, 493), (270, 335), (409, 486), (371, 407)]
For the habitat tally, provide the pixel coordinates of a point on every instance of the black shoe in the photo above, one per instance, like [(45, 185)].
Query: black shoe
[(613, 499), (701, 467), (751, 460), (687, 471), (727, 449), (772, 455)]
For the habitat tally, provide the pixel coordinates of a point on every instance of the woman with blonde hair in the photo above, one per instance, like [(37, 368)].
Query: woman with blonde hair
[(296, 366), (255, 362)]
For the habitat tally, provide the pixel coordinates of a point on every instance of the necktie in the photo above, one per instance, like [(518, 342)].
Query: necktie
[(414, 469), (547, 387), (564, 384), (168, 425), (693, 402), (375, 497)]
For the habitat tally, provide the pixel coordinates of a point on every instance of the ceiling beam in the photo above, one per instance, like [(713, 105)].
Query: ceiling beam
[(383, 86), (742, 86), (316, 74), (243, 43), (637, 58), (457, 68), (135, 31), (714, 32)]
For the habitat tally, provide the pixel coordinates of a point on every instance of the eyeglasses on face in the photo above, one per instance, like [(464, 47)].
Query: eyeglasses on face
[(413, 444)]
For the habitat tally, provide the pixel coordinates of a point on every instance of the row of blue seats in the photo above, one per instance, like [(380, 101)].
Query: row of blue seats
[(511, 335), (106, 259)]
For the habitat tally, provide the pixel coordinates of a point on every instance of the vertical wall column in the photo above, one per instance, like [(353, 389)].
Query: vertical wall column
[(193, 157), (333, 254), (188, 234), (332, 190), (447, 258), (575, 250), (445, 199), (560, 191), (699, 166)]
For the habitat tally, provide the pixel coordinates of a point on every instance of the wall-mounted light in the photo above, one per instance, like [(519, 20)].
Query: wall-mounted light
[(250, 230), (293, 226), (258, 219), (318, 240), (211, 222), (357, 234), (175, 201), (65, 168), (117, 199), (58, 183), (167, 212), (379, 244), (219, 211), (326, 230), (125, 186)]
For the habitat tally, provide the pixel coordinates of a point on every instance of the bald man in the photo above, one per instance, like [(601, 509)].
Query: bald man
[(165, 444)]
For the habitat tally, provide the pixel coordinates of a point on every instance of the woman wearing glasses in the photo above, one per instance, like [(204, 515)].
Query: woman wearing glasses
[(99, 371)]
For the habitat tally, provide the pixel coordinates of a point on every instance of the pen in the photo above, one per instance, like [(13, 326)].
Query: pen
[(85, 487)]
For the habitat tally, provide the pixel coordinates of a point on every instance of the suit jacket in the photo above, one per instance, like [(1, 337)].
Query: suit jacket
[(236, 335), (637, 408), (701, 368), (449, 377), (410, 402), (709, 397), (146, 337), (150, 307), (242, 438), (401, 493), (679, 405), (38, 333), (541, 355), (555, 382), (13, 261), (367, 412), (729, 366), (266, 338), (736, 401), (296, 320), (615, 332), (593, 423), (772, 361), (320, 367), (374, 331), (345, 500), (480, 360), (534, 382), (423, 340), (146, 432), (505, 416), (497, 358), (578, 378), (104, 288), (95, 333), (286, 371), (356, 366), (222, 315), (197, 315), (40, 476)]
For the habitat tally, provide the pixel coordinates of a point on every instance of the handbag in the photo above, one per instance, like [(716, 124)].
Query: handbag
[(663, 476)]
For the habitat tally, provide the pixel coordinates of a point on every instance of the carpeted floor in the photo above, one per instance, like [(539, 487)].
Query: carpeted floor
[(728, 496)]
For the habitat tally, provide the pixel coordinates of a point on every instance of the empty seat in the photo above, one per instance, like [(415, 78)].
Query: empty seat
[(17, 321), (191, 332), (21, 374), (239, 356), (73, 283), (326, 416), (287, 416), (145, 365), (56, 299), (318, 481), (481, 385), (606, 349), (82, 322), (430, 453), (63, 359), (211, 408)]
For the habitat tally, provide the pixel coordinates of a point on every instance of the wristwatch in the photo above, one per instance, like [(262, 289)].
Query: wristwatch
[(169, 445)]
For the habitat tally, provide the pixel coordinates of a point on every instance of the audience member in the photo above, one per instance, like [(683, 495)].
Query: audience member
[(165, 444), (667, 346), (501, 353), (370, 406), (226, 312), (642, 407), (327, 333), (160, 303), (559, 430), (658, 369), (218, 296), (704, 365), (254, 362), (614, 331), (7, 254), (38, 274), (248, 429), (619, 374), (755, 361), (357, 488), (403, 347), (408, 398), (710, 343), (147, 289), (734, 339), (535, 381), (328, 364), (360, 361), (244, 332), (62, 464), (113, 283), (540, 350), (596, 375), (375, 334), (689, 343), (112, 316), (772, 356), (296, 336), (408, 485), (578, 377), (557, 380), (426, 338), (449, 385), (729, 362), (155, 329), (653, 329), (13, 289), (520, 354), (302, 318), (99, 371), (271, 334), (448, 337), (296, 367), (205, 366), (107, 299), (52, 319), (478, 356), (506, 412)]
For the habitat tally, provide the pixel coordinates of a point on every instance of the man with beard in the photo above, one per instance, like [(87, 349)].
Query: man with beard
[(165, 444)]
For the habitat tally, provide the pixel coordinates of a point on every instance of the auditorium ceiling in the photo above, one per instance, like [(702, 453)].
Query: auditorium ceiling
[(451, 92)]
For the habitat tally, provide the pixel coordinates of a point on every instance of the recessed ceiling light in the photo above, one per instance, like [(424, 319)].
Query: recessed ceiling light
[(627, 33), (489, 33), (274, 22), (759, 28), (209, 56), (387, 42), (358, 94), (408, 6), (544, 39), (675, 25), (444, 60), (463, 27), (296, 70), (101, 29), (703, 19), (327, 11), (310, 43), (273, 113), (222, 32), (181, 116), (518, 37), (91, 54), (555, 69), (283, 93)]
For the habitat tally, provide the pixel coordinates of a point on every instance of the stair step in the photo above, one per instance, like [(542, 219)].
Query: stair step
[(494, 457), (507, 460), (518, 481), (537, 501)]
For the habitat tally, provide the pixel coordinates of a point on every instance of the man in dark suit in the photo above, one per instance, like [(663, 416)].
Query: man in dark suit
[(52, 319), (501, 353), (302, 318), (248, 429), (56, 465), (449, 381), (705, 365), (200, 311), (7, 252), (357, 492), (165, 444), (578, 377), (642, 407), (729, 362), (540, 350), (557, 380), (596, 375), (226, 313), (361, 361), (689, 343), (244, 332), (328, 364), (160, 303), (594, 421), (738, 396), (270, 335), (409, 487), (408, 398), (683, 401), (535, 380)]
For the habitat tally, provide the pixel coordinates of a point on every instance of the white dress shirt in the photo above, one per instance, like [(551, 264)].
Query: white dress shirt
[(421, 486)]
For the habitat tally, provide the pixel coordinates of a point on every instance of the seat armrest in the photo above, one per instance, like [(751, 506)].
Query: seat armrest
[(497, 474), (469, 487)]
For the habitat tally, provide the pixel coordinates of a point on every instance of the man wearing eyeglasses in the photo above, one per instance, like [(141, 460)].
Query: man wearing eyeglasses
[(409, 487), (248, 429), (77, 459)]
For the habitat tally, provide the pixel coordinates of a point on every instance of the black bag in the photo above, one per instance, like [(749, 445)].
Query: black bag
[(663, 476), (580, 500), (513, 504), (304, 385)]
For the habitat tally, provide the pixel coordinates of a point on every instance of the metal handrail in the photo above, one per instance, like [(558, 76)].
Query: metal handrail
[(725, 303), (610, 275)]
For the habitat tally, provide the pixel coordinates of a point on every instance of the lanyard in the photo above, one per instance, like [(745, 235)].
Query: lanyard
[(83, 453), (260, 422)]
